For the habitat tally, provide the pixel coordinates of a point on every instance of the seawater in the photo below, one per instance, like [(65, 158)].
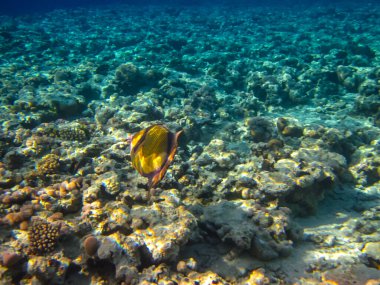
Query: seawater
[(276, 178)]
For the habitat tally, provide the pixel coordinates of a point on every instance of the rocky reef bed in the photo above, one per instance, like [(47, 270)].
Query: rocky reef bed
[(276, 179)]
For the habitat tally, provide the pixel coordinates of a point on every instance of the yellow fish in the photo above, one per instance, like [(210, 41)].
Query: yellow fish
[(152, 151)]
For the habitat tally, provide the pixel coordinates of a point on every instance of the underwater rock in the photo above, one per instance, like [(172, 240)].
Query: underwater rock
[(163, 274), (62, 75), (331, 161), (128, 78), (49, 164), (335, 141), (241, 222), (8, 179), (36, 145), (109, 249), (357, 273), (66, 106), (48, 269), (62, 197), (10, 259), (365, 165), (215, 153), (275, 184), (24, 213), (172, 91), (185, 266), (308, 171), (13, 160), (204, 278), (119, 219), (289, 127), (372, 252), (103, 114), (300, 92), (122, 253), (168, 227), (256, 276), (16, 195), (260, 128), (93, 215), (266, 87), (348, 77), (89, 92), (368, 105), (369, 87), (110, 183), (106, 217), (238, 227)]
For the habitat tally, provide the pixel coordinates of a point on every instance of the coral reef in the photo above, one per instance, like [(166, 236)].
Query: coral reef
[(49, 164), (277, 174), (62, 197)]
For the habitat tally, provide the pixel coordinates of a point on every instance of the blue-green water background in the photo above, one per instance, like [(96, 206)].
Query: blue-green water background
[(11, 7)]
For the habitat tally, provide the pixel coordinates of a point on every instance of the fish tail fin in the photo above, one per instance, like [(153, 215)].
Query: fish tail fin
[(150, 183)]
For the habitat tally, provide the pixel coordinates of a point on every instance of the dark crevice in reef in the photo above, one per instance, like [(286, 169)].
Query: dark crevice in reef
[(104, 268)]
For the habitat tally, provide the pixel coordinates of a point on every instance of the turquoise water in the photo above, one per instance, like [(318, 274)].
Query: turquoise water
[(276, 176)]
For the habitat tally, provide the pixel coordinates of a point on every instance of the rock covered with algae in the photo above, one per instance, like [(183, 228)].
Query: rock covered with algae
[(138, 235), (308, 171), (45, 269), (266, 234), (161, 238), (365, 164), (159, 230)]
